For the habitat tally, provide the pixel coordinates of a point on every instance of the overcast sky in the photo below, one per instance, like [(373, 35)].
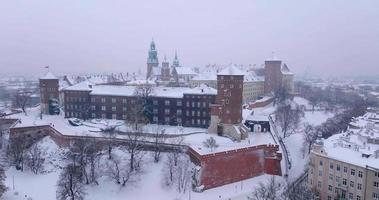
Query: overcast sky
[(73, 36)]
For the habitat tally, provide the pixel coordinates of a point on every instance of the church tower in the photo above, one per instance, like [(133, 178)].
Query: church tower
[(49, 92), (152, 59), (175, 62), (165, 71)]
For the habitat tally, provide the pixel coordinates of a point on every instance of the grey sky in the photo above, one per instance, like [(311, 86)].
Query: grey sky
[(331, 37)]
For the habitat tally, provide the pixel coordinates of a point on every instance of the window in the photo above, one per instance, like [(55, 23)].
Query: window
[(330, 176), (222, 85), (337, 179), (358, 197), (167, 102), (179, 120), (124, 101), (375, 196), (359, 186), (376, 184), (198, 104), (193, 113), (352, 172), (167, 119), (179, 112), (231, 86), (167, 111), (155, 119), (113, 108), (114, 116), (103, 116), (155, 102), (102, 100), (198, 113), (93, 107), (377, 174), (319, 184), (321, 163), (187, 113), (103, 108), (331, 166), (179, 103), (93, 115), (352, 184), (330, 188), (93, 99), (155, 111), (329, 198), (113, 100), (320, 172), (188, 104), (360, 174), (123, 116), (344, 181), (123, 108), (204, 104), (345, 169), (351, 195)]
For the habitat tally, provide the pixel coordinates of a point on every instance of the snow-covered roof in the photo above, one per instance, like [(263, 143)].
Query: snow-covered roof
[(122, 90), (231, 70), (49, 76), (285, 70), (184, 71), (350, 145), (205, 77)]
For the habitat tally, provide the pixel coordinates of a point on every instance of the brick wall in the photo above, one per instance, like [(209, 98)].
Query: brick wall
[(232, 166)]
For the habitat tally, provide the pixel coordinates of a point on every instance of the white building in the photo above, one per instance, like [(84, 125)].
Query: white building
[(346, 165)]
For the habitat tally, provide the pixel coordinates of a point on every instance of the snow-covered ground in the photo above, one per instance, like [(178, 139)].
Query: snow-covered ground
[(24, 185)]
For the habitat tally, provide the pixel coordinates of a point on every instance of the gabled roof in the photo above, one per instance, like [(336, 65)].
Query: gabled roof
[(286, 70), (231, 70)]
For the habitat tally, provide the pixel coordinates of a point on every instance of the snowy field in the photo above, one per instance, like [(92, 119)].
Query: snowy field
[(26, 185)]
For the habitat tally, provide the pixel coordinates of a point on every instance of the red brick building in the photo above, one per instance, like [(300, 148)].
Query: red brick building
[(217, 169), (226, 113), (49, 89)]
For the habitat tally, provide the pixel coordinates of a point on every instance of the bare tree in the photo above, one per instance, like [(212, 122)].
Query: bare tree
[(183, 174), (21, 99), (110, 133), (69, 185), (159, 138), (134, 148), (17, 151), (288, 118), (3, 188), (120, 171), (210, 143), (34, 158), (269, 191), (298, 191), (310, 136), (179, 175), (84, 155)]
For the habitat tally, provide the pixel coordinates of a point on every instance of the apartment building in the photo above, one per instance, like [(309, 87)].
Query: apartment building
[(346, 165)]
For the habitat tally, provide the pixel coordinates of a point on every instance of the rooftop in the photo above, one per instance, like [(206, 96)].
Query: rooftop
[(121, 90), (231, 70), (49, 76), (356, 146)]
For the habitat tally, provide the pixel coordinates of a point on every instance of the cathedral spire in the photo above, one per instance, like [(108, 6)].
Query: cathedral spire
[(175, 63)]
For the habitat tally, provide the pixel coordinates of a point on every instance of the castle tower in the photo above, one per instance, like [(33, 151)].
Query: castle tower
[(226, 113), (152, 59), (175, 62), (273, 75), (49, 91), (165, 71)]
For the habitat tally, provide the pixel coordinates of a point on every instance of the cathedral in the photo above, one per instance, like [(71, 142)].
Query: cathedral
[(164, 72)]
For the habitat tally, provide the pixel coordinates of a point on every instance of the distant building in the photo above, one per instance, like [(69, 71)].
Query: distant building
[(49, 90), (170, 105), (277, 76), (346, 165), (253, 85)]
